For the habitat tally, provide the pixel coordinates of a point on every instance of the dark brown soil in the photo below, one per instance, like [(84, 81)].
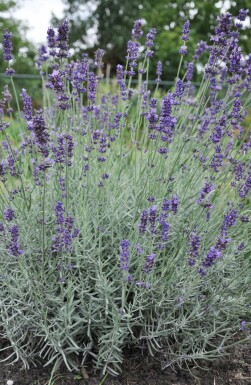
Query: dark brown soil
[(234, 369)]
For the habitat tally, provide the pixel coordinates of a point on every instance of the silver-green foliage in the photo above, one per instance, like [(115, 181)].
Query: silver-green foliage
[(76, 304)]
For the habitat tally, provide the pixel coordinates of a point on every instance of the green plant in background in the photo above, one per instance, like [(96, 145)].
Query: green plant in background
[(124, 219), (23, 53)]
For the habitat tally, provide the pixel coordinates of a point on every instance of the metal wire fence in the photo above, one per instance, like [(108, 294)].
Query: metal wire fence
[(133, 81)]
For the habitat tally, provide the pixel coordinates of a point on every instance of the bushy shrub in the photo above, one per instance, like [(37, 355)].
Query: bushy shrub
[(122, 229)]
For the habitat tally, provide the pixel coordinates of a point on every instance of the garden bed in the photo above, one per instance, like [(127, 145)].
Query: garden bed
[(234, 369)]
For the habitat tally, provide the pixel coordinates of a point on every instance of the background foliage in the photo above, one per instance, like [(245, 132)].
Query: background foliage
[(111, 21)]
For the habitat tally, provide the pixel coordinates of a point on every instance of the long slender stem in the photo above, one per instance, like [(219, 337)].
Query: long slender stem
[(43, 216)]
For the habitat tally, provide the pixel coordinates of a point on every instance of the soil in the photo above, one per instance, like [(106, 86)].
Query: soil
[(234, 369)]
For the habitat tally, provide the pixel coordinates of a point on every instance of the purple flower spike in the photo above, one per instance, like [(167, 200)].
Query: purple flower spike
[(14, 246), (92, 86), (190, 69), (121, 82), (152, 218), (143, 221), (137, 29), (43, 55), (51, 39), (62, 39), (150, 41), (38, 126), (183, 50), (242, 14), (59, 212), (7, 45), (124, 256), (212, 255), (8, 214), (195, 241), (148, 266), (158, 71), (10, 72), (27, 105), (229, 219), (185, 31), (164, 231), (166, 204), (174, 203), (98, 58)]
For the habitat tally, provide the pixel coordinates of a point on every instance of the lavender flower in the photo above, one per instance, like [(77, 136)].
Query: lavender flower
[(222, 243), (201, 47), (190, 69), (159, 70), (65, 233), (242, 14), (244, 219), (80, 74), (246, 187), (9, 214), (57, 82), (143, 221), (174, 203), (2, 171), (239, 171), (7, 45), (211, 256), (92, 86), (183, 50), (14, 246), (43, 55), (137, 29), (62, 187), (152, 218), (167, 122), (229, 219), (132, 56), (185, 31), (38, 127), (27, 105), (180, 86), (194, 242), (62, 39), (10, 71), (152, 115), (124, 256), (207, 189), (148, 266), (217, 159), (59, 212), (11, 165), (7, 97), (121, 82), (164, 231), (162, 150), (218, 130), (224, 24), (98, 58), (166, 204), (51, 38), (150, 41)]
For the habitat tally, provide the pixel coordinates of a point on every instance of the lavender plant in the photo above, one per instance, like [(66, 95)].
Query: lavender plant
[(124, 216)]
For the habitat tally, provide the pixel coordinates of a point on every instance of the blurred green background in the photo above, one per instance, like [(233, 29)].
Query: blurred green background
[(107, 24)]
